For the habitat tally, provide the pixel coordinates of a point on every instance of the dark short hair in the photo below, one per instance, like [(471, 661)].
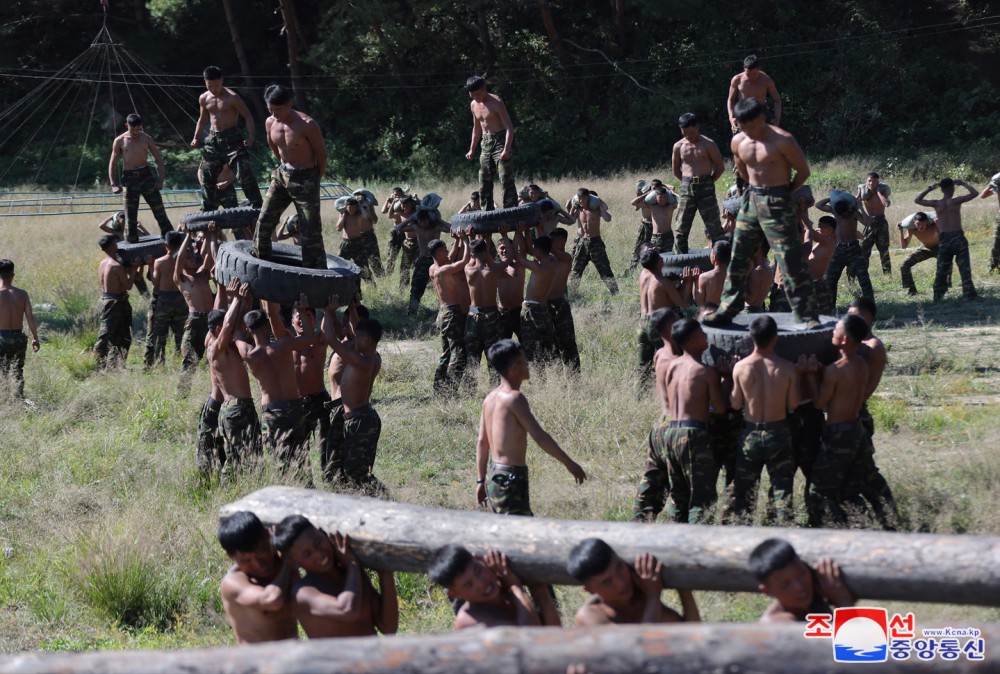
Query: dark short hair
[(423, 214), (763, 330), (543, 243), (655, 182), (921, 216), (6, 268), (947, 184), (474, 83), (363, 312), (546, 206), (289, 530), (241, 532), (828, 220), (478, 247), (559, 233), (134, 119), (660, 190), (434, 246), (591, 557), (449, 563), (873, 175), (751, 62), (660, 318), (771, 555), (688, 119), (212, 73), (855, 327), (370, 327), (723, 251), (215, 318), (502, 354), (684, 330), (255, 319), (648, 258), (173, 240), (474, 195), (842, 207), (748, 109), (865, 304), (535, 187), (583, 193), (277, 94), (105, 241)]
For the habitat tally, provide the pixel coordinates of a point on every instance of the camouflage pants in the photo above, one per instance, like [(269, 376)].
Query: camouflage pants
[(770, 448), (227, 197), (452, 361), (806, 425), (837, 477), (421, 277), (392, 251), (114, 336), (301, 188), (700, 198), (915, 258), (770, 217), (649, 341), (490, 165), (142, 182), (240, 431), (210, 450), (362, 428), (316, 417), (193, 342), (564, 332), (507, 490), (953, 245), (364, 252), (167, 312), (875, 490), (510, 324), (642, 237), (283, 426), (778, 301), (995, 253), (824, 298), (226, 148), (877, 235), (663, 241), (592, 249), (332, 450), (408, 254), (691, 471), (482, 330), (651, 495), (538, 333), (724, 439), (850, 257), (13, 350)]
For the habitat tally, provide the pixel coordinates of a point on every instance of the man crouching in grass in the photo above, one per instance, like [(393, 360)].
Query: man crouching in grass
[(492, 595), (335, 598), (255, 590)]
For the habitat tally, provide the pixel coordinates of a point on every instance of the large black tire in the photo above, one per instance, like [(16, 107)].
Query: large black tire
[(151, 244), (282, 278), (224, 218), (490, 222), (734, 339), (674, 263)]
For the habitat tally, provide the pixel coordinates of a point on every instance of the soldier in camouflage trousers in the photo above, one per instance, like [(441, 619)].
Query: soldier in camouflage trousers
[(482, 330), (837, 476), (848, 255), (300, 187), (537, 332), (114, 338), (167, 312), (592, 249), (362, 428), (564, 332), (220, 149), (764, 445), (953, 245), (453, 359), (697, 195), (210, 451), (651, 496), (875, 490), (142, 182), (491, 124), (995, 253), (507, 490), (193, 341), (364, 252), (684, 447), (316, 417), (285, 434), (241, 431), (877, 236)]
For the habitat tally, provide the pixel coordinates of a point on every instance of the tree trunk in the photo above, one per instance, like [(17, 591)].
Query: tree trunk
[(623, 44), (489, 51), (394, 63), (877, 565), (292, 38), (554, 41), (141, 16), (241, 55)]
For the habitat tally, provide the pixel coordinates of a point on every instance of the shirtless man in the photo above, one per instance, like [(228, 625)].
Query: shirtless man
[(225, 145), (822, 245), (621, 594), (657, 292), (296, 142), (836, 474), (255, 589), (473, 204), (796, 588), (988, 191), (492, 124), (133, 148), (409, 250), (237, 412), (426, 230), (874, 198), (765, 156), (559, 307), (504, 426), (848, 251), (392, 209), (537, 329), (272, 365), (710, 283), (482, 325), (697, 163), (589, 210), (645, 234), (447, 276), (167, 310), (15, 309), (192, 274), (335, 598), (759, 283), (551, 216), (510, 286), (926, 232), (115, 333), (362, 425), (116, 225), (752, 83), (492, 595), (310, 367), (359, 244), (952, 244), (661, 215), (765, 387)]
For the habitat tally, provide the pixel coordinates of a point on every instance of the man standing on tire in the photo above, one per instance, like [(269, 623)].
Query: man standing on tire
[(753, 83), (491, 123), (766, 155), (133, 148), (697, 163), (295, 139), (225, 145)]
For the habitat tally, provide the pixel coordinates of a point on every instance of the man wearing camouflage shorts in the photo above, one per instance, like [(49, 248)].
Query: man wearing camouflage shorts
[(492, 124), (133, 148), (297, 143), (697, 163)]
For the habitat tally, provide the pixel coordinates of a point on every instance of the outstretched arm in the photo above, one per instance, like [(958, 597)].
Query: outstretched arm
[(522, 411)]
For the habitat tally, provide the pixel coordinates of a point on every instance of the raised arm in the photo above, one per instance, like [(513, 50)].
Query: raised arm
[(344, 607), (966, 198), (178, 267), (347, 352), (342, 221), (824, 205), (238, 296), (921, 199)]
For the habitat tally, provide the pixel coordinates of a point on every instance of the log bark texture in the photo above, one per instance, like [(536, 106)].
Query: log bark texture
[(657, 649), (953, 569)]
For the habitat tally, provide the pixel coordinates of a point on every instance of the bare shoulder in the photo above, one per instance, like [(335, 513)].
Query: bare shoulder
[(592, 613), (233, 582), (464, 618), (707, 141), (765, 77), (495, 99), (306, 119), (230, 92), (737, 140), (737, 78)]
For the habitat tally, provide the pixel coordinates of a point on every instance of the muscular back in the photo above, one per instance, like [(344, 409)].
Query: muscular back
[(687, 389), (765, 386), (482, 279), (12, 306)]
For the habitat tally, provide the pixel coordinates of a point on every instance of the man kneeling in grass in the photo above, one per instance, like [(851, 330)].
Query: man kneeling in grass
[(255, 590), (492, 594), (796, 588), (622, 595), (335, 598)]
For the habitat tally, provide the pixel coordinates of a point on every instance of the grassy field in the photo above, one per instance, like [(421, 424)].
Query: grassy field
[(109, 542)]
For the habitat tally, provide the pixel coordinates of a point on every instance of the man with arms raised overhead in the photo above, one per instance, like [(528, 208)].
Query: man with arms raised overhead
[(482, 325), (295, 139), (15, 309), (752, 83), (225, 144), (446, 275), (559, 307), (133, 148), (697, 163), (192, 274), (952, 244), (491, 123), (115, 333)]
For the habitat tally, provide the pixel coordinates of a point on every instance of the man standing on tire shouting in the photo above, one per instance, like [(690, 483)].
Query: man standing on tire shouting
[(492, 124), (295, 139), (225, 145), (133, 148)]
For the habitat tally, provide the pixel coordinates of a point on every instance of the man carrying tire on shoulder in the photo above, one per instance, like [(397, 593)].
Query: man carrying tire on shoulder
[(296, 141), (491, 123)]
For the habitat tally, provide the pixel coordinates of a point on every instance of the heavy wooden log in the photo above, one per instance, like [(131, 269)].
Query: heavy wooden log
[(679, 649), (878, 565)]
